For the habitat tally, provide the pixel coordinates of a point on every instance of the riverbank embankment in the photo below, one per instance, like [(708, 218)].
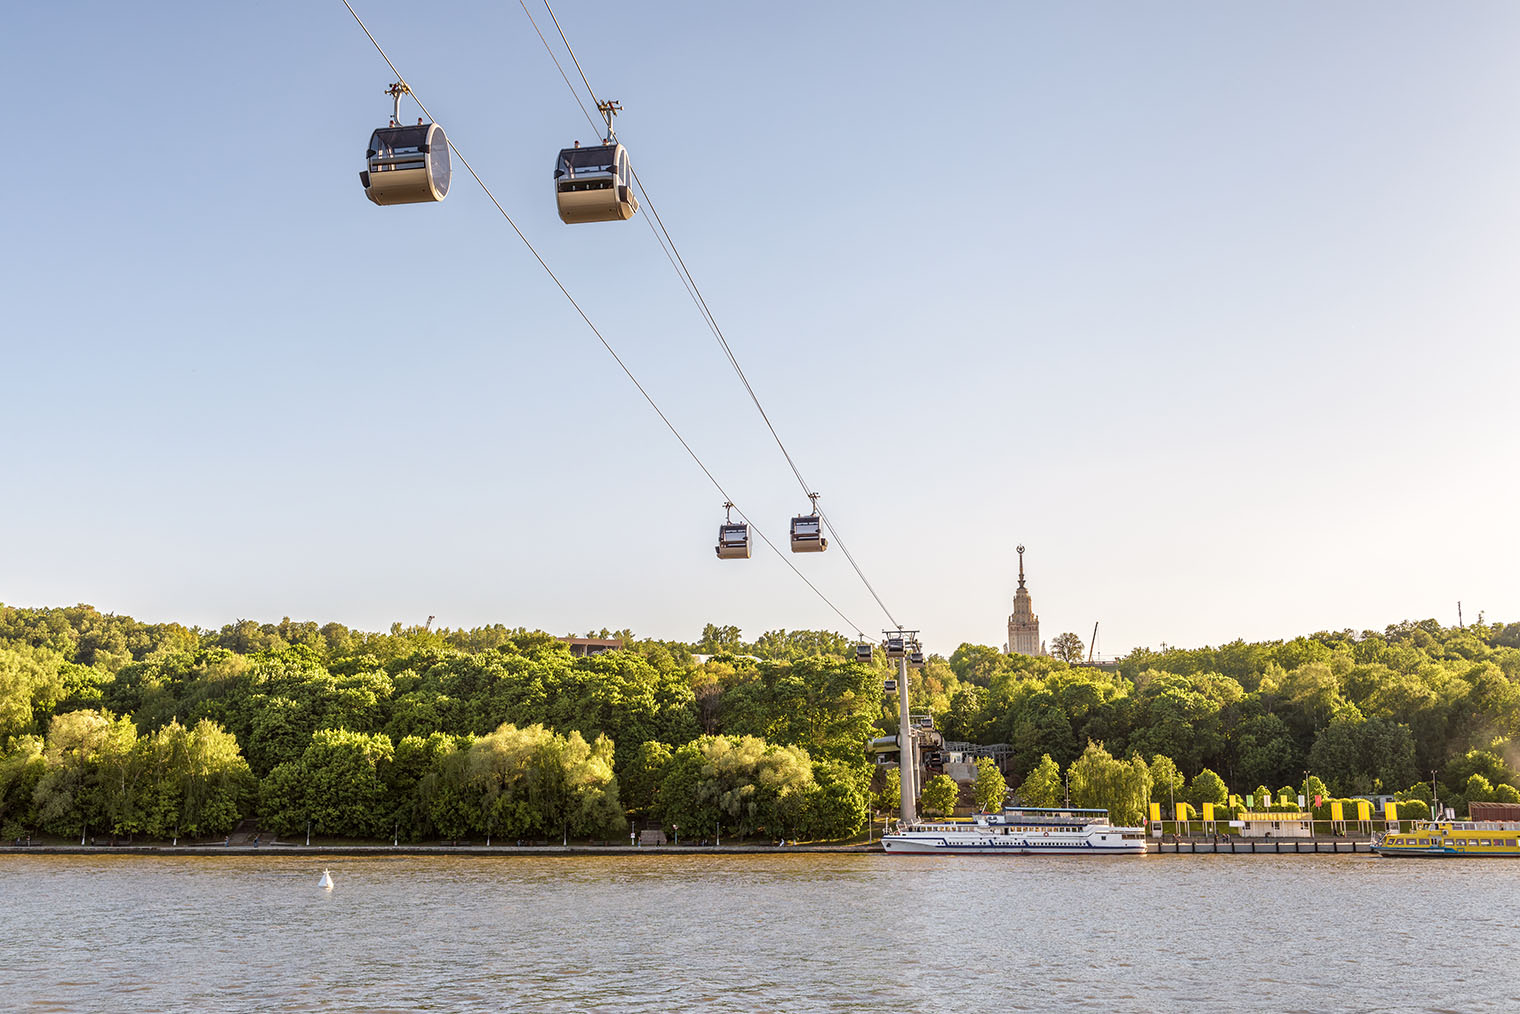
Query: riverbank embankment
[(282, 849), (1185, 846)]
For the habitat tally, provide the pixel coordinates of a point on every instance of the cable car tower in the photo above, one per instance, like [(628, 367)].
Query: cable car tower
[(898, 644)]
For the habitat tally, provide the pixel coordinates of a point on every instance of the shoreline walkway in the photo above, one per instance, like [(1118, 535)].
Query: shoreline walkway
[(1185, 846)]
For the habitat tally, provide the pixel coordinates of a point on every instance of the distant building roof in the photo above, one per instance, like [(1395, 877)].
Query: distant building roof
[(1493, 811), (583, 646)]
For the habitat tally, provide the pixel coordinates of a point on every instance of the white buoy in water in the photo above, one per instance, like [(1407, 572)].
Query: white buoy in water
[(326, 882)]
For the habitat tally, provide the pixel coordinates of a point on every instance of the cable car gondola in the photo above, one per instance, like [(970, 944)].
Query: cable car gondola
[(895, 646), (406, 165), (807, 531), (915, 658), (863, 651), (595, 184), (733, 538), (889, 686)]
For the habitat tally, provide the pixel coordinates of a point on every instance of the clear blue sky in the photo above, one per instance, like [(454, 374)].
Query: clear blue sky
[(1213, 307)]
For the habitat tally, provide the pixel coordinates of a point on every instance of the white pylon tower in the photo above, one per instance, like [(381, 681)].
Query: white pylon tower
[(896, 645)]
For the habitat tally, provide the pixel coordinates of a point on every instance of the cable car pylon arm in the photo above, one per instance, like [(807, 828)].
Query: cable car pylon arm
[(609, 109), (395, 91)]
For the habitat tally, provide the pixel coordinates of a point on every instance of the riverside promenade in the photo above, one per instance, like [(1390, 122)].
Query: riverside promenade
[(279, 848), (1183, 846)]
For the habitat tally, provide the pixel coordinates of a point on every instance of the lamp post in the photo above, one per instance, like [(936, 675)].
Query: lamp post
[(677, 829), (1306, 804)]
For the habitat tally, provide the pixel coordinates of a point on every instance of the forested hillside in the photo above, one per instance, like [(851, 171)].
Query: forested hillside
[(112, 726)]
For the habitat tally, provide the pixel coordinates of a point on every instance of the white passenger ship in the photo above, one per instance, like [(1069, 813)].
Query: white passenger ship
[(1022, 831)]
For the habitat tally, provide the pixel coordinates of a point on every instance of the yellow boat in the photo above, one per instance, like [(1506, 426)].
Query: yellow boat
[(1452, 838)]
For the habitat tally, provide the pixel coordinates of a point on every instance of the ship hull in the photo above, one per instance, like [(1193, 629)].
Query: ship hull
[(950, 845)]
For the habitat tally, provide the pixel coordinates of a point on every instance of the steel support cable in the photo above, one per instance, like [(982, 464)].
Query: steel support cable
[(571, 50), (696, 293), (594, 330), (673, 254), (573, 93), (576, 95)]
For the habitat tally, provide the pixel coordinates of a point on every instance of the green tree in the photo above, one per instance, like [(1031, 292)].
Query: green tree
[(1207, 787), (1477, 787), (742, 783), (717, 640), (977, 663), (22, 766), (1166, 780), (642, 775), (991, 787), (939, 795), (1101, 781), (889, 798), (967, 718), (1264, 750), (30, 684), (835, 806), (418, 759), (338, 785), (198, 782), (1068, 647), (90, 778), (825, 705), (1360, 757), (1043, 786)]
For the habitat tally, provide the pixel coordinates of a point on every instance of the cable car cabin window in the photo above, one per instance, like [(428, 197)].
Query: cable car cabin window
[(390, 142), (582, 161), (440, 162)]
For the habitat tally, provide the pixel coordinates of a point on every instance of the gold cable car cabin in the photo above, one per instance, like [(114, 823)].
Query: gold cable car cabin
[(594, 184), (406, 165), (733, 538)]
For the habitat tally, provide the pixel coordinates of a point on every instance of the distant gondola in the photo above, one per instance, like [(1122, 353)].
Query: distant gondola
[(406, 165), (594, 184), (733, 538), (807, 531)]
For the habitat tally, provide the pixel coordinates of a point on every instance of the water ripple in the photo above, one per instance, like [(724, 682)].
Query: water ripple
[(813, 933)]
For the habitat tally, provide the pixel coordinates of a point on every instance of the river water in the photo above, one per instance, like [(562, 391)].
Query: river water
[(744, 933)]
